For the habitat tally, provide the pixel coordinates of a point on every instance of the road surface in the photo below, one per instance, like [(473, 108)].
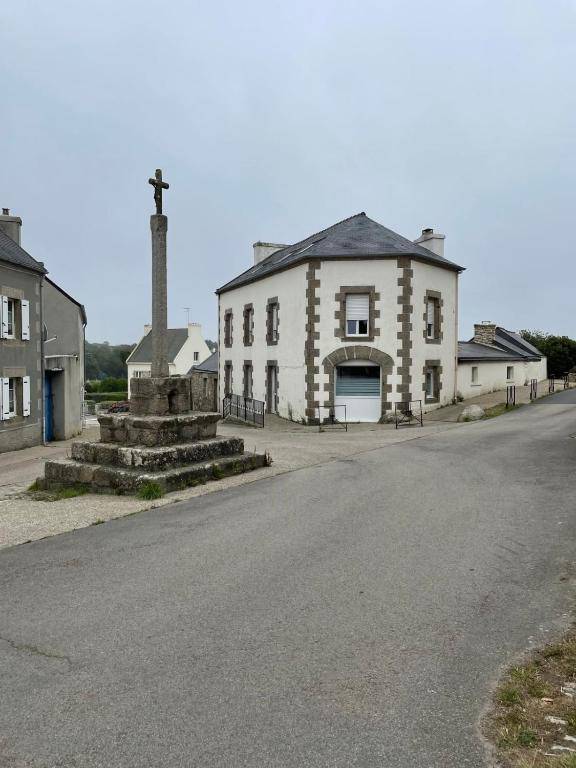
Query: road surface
[(350, 614)]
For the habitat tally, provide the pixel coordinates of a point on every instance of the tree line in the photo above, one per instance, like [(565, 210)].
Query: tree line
[(560, 350)]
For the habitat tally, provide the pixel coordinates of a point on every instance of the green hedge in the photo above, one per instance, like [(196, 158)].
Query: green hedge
[(112, 397)]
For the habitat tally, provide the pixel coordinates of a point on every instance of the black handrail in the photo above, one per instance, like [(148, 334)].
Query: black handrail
[(244, 408)]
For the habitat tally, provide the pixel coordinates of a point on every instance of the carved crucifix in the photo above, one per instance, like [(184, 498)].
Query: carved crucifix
[(158, 185)]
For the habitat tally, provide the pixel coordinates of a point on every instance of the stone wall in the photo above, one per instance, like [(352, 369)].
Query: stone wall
[(204, 391)]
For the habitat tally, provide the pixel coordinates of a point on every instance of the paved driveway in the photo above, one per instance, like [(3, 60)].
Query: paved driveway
[(354, 613)]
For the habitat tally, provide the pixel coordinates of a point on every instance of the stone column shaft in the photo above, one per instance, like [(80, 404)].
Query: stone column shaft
[(159, 227)]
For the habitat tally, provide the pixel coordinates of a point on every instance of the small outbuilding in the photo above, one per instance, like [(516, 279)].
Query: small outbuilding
[(204, 384), (496, 358)]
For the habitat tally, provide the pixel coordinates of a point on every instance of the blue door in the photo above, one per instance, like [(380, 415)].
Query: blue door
[(48, 409)]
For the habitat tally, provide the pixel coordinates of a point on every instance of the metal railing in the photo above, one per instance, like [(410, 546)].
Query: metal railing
[(408, 412), (244, 408), (330, 417)]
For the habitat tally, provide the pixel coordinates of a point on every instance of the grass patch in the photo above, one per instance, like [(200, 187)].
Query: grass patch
[(529, 694), (498, 410), (150, 491), (58, 494)]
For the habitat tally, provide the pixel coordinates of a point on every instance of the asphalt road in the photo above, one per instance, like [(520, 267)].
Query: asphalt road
[(352, 614)]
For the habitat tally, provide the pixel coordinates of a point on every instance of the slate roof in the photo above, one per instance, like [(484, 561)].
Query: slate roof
[(507, 346), (142, 353), (13, 253), (355, 237), (210, 365)]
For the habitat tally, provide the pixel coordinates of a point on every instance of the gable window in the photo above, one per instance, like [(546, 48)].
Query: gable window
[(248, 325), (474, 374), (196, 355), (432, 317), (510, 372), (357, 314), (272, 321), (228, 328)]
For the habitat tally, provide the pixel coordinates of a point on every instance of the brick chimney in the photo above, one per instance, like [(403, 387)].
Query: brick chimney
[(484, 332), (10, 225), (431, 240), (263, 250)]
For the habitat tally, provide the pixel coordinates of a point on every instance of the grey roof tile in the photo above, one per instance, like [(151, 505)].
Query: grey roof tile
[(355, 237), (507, 346), (142, 353), (13, 253), (210, 365)]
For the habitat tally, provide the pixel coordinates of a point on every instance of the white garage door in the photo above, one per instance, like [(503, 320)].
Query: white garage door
[(358, 388)]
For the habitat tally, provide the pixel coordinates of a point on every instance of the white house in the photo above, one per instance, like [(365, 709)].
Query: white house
[(185, 348), (355, 315), (495, 358)]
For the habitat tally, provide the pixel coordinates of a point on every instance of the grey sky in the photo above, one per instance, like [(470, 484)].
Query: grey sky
[(272, 120)]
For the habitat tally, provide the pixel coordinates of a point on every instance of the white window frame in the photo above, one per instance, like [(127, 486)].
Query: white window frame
[(508, 369), (10, 308), (474, 375), (25, 320), (357, 320), (196, 356), (430, 319), (12, 410)]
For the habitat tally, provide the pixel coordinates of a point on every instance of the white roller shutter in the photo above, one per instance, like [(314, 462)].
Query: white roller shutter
[(5, 399), (357, 306), (25, 306), (26, 396), (3, 317)]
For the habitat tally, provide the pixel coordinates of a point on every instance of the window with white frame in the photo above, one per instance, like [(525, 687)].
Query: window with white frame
[(14, 318), (474, 374), (357, 314), (510, 372), (141, 374), (14, 397), (196, 355)]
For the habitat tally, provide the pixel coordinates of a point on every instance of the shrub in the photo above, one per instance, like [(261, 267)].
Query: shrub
[(150, 491), (111, 397)]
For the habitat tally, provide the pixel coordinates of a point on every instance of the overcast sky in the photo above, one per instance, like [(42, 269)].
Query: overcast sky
[(272, 120)]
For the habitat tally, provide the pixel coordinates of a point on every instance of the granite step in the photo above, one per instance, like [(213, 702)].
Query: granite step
[(115, 479), (156, 459)]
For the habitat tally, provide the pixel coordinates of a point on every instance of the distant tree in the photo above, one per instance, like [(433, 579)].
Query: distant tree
[(560, 350), (107, 361)]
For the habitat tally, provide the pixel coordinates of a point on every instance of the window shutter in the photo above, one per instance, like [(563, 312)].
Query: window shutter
[(25, 307), (26, 396), (5, 399), (357, 306), (3, 317)]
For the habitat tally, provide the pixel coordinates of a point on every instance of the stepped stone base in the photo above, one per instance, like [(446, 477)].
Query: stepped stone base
[(118, 479), (128, 429), (160, 441), (154, 459)]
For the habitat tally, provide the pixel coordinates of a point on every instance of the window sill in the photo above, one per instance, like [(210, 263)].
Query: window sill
[(477, 384), (433, 341), (357, 338)]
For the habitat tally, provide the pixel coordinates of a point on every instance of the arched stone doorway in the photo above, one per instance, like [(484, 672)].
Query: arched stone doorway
[(349, 354)]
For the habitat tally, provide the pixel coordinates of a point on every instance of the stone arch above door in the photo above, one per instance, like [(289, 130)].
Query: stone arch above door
[(358, 352)]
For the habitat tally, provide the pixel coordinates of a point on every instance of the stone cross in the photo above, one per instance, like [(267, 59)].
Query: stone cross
[(159, 332), (158, 185)]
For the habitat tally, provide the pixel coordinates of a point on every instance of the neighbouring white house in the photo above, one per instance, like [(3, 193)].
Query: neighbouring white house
[(355, 315), (495, 358), (185, 348)]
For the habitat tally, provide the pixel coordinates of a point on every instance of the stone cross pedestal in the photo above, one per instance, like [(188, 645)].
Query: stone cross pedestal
[(161, 441)]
